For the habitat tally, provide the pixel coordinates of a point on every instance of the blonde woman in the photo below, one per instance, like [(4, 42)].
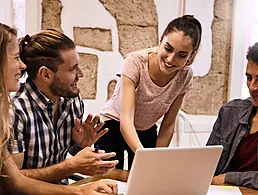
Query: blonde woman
[(11, 179)]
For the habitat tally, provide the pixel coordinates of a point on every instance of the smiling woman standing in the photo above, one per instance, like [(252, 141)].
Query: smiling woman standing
[(152, 85)]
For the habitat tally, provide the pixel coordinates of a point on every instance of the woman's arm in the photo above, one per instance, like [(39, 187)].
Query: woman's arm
[(167, 127), (17, 183), (127, 101)]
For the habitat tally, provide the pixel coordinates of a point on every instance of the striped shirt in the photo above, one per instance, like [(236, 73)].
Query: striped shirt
[(43, 142)]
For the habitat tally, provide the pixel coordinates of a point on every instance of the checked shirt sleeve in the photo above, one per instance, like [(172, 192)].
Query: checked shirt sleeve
[(18, 128)]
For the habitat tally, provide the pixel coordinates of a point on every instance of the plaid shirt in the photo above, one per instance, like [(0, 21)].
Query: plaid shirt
[(43, 142)]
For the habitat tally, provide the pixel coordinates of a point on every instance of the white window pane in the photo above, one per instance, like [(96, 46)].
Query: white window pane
[(255, 10), (254, 34), (251, 40)]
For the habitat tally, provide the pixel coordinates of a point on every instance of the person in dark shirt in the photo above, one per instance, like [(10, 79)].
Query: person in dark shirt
[(236, 128)]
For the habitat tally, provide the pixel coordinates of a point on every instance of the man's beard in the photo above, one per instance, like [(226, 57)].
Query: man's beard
[(58, 89)]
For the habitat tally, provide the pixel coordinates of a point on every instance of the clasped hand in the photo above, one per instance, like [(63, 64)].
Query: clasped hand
[(88, 162)]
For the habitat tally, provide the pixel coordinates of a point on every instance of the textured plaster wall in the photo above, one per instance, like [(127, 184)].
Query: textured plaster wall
[(51, 14), (89, 67), (209, 92), (137, 23), (96, 38), (106, 30)]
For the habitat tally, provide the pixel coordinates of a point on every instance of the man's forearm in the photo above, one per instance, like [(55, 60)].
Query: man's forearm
[(52, 173), (248, 179)]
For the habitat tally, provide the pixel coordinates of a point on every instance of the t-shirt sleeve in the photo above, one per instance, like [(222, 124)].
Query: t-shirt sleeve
[(188, 81), (131, 68)]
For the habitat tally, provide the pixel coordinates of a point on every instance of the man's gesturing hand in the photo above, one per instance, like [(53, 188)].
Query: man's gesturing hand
[(88, 132)]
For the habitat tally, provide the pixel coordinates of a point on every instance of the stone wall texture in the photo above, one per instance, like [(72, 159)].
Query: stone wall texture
[(88, 83), (137, 23), (96, 38), (209, 93), (132, 12), (133, 38), (51, 14)]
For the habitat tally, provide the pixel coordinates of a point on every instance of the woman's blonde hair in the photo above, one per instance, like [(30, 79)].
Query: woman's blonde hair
[(6, 136)]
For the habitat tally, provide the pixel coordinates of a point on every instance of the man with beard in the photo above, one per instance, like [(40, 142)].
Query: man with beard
[(49, 110), (236, 128)]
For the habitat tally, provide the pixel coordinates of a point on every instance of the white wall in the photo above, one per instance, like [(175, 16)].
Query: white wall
[(19, 10), (33, 16), (203, 10), (6, 13)]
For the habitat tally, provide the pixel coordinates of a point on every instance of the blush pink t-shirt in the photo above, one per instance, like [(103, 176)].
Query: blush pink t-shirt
[(151, 101)]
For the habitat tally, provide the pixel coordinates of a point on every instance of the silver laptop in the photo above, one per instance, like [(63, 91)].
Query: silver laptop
[(173, 171)]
